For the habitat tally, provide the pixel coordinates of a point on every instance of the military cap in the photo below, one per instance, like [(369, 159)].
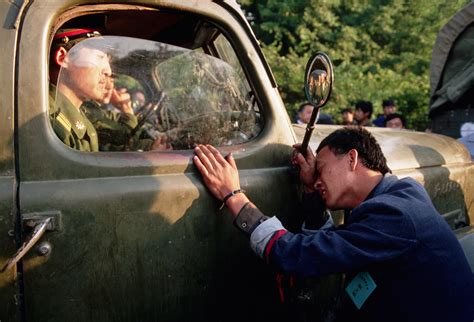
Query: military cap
[(67, 38)]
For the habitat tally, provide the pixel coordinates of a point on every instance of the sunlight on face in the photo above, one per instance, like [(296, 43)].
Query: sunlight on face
[(88, 73)]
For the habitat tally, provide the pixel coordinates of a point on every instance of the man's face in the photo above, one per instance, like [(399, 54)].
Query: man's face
[(387, 110), (305, 114), (395, 123), (347, 117), (332, 178), (87, 73), (108, 90), (138, 100), (360, 115)]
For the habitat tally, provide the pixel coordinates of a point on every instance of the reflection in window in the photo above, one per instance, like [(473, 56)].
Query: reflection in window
[(145, 95)]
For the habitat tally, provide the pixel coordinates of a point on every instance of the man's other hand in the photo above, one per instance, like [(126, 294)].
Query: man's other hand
[(306, 165)]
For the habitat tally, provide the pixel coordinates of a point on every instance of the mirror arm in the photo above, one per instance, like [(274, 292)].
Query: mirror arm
[(309, 130)]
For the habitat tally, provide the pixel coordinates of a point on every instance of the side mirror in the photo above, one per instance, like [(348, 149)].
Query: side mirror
[(318, 79)]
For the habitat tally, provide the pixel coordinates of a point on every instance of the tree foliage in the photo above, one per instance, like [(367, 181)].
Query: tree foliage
[(380, 49)]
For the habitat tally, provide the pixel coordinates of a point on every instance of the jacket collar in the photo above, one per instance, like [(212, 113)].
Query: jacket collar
[(382, 186)]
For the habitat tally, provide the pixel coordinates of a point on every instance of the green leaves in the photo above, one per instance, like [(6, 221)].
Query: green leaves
[(381, 49)]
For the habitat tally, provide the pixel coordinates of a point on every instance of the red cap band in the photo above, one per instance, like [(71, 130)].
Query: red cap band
[(72, 33)]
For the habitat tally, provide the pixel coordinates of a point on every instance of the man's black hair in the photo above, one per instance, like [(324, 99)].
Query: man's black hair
[(303, 105), (366, 107), (394, 116), (387, 103), (347, 110), (353, 137)]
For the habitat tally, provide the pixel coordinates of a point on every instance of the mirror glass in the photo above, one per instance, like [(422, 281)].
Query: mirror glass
[(319, 78)]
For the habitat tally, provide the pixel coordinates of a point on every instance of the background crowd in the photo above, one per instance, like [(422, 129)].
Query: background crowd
[(379, 49), (361, 114)]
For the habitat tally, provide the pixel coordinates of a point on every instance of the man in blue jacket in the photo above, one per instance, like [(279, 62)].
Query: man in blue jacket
[(402, 261)]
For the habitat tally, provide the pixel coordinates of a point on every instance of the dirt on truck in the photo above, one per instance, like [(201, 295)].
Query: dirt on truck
[(125, 232)]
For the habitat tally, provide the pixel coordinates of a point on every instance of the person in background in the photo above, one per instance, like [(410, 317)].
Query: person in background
[(304, 113), (114, 126), (363, 113), (138, 100), (324, 118), (114, 120), (348, 116), (395, 121), (388, 108)]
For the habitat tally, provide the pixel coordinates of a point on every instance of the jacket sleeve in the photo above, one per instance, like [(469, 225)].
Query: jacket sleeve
[(378, 236)]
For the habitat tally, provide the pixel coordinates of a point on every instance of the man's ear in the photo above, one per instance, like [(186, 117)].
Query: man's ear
[(353, 158), (60, 57)]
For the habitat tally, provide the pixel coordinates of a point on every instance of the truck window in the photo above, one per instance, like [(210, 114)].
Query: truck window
[(140, 95)]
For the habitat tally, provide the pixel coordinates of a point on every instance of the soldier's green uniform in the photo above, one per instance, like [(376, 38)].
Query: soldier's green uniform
[(114, 128), (70, 124)]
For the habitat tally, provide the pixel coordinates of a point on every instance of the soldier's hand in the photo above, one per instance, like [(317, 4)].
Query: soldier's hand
[(161, 144), (122, 100), (306, 166)]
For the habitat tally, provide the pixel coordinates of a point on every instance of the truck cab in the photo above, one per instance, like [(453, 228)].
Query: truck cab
[(133, 234)]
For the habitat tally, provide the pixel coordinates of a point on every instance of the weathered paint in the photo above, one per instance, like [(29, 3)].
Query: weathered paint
[(141, 238), (8, 34)]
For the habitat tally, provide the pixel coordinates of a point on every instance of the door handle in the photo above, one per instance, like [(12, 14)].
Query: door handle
[(40, 227), (38, 231)]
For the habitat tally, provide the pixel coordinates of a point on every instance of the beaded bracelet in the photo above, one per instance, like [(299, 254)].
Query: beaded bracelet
[(229, 195)]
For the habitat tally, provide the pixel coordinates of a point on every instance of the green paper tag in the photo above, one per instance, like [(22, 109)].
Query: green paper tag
[(360, 288)]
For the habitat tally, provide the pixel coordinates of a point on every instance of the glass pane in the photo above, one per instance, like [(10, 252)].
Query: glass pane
[(146, 95)]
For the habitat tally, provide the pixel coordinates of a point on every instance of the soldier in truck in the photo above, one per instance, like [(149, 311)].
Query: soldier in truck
[(82, 83), (402, 261), (84, 76)]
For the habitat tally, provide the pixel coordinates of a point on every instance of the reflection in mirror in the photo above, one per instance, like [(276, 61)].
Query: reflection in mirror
[(146, 95), (318, 79), (318, 82), (318, 85)]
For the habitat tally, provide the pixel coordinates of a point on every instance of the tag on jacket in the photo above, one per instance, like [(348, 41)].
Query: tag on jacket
[(360, 288)]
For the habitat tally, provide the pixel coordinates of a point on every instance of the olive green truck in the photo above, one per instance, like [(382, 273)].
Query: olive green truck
[(134, 235)]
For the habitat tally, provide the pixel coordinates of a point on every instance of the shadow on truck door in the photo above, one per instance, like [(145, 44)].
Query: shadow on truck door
[(140, 237)]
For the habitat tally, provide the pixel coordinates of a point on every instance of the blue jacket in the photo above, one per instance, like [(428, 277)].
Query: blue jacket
[(398, 237)]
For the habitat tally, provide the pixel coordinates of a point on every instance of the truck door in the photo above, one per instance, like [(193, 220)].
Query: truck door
[(134, 235), (8, 279)]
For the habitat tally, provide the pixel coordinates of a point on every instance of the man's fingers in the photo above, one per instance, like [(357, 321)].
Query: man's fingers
[(217, 155), (297, 146), (213, 155), (301, 161), (231, 161), (200, 166), (203, 157)]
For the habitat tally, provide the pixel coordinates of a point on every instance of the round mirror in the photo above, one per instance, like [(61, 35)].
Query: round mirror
[(318, 79)]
